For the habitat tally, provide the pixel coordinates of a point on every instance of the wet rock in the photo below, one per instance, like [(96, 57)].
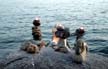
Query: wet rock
[(50, 59)]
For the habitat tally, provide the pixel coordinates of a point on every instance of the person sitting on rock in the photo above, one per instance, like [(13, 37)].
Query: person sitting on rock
[(60, 34), (80, 46), (35, 45), (36, 32)]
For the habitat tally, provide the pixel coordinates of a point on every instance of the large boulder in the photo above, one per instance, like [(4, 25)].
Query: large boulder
[(50, 59)]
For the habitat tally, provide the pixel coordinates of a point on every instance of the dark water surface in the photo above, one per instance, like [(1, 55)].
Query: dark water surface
[(16, 18)]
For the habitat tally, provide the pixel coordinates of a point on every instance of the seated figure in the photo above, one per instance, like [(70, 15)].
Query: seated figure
[(80, 46), (37, 43), (36, 32), (60, 35)]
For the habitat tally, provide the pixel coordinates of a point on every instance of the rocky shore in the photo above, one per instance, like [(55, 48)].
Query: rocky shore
[(50, 59)]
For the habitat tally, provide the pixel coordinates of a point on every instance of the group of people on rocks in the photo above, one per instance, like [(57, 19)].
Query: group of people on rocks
[(59, 39)]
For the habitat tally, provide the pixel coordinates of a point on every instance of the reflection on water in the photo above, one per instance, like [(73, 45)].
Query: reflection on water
[(16, 18)]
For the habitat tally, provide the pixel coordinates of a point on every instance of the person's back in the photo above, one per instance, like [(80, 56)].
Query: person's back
[(36, 31), (59, 37), (80, 46)]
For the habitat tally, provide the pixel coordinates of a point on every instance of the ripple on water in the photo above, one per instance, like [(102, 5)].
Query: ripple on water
[(16, 20)]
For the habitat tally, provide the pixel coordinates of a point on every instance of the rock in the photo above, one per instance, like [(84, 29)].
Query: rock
[(50, 59)]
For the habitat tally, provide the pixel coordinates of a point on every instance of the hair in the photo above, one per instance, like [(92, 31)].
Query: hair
[(36, 22), (62, 33), (79, 31)]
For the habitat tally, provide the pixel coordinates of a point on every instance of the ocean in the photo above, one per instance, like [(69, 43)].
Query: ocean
[(16, 17)]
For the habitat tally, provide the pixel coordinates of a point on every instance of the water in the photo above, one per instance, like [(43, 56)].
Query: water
[(16, 18)]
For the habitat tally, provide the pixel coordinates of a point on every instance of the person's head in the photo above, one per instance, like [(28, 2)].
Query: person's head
[(36, 22), (80, 31), (61, 31), (57, 26)]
